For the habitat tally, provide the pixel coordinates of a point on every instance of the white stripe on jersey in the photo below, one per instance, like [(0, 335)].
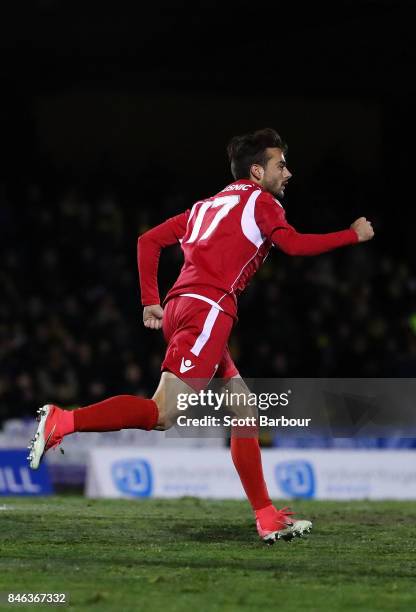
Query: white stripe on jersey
[(250, 229), (248, 221)]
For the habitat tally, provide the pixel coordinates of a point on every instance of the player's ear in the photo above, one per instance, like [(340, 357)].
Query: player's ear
[(257, 171)]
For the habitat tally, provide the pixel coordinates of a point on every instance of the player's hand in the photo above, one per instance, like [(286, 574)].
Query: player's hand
[(153, 316), (363, 228)]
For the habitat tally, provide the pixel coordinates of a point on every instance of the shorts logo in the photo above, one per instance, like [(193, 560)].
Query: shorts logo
[(186, 365)]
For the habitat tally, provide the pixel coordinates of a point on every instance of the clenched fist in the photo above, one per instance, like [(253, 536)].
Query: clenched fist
[(363, 228), (153, 316)]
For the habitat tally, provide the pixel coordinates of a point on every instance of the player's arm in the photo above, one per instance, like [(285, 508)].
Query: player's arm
[(270, 218), (293, 243), (149, 246)]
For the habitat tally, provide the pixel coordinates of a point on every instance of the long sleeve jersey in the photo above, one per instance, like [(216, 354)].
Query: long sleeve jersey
[(224, 240)]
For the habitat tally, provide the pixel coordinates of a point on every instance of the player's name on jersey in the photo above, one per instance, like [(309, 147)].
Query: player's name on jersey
[(238, 187), (230, 421)]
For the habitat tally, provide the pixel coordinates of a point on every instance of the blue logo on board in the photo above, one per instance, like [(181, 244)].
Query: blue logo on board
[(296, 478), (133, 477)]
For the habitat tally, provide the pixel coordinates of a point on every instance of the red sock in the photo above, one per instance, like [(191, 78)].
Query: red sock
[(119, 412), (247, 460)]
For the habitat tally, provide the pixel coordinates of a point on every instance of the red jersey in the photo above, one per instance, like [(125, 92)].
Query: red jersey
[(225, 239)]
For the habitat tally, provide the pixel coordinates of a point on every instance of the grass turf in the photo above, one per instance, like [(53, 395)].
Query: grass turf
[(190, 554)]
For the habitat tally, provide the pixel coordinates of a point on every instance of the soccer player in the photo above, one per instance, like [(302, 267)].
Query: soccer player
[(224, 238)]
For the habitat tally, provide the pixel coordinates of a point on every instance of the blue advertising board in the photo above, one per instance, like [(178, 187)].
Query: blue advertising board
[(16, 478)]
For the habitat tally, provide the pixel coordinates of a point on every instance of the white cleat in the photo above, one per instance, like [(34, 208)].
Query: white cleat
[(38, 443), (297, 530)]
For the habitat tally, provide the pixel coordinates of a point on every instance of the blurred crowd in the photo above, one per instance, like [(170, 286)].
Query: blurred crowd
[(70, 314)]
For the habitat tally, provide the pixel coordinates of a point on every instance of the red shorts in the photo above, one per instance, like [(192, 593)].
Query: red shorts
[(197, 335)]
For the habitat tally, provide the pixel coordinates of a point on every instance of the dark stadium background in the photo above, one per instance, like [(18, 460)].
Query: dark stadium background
[(113, 118)]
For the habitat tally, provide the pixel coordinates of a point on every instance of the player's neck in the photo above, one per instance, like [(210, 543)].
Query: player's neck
[(254, 181)]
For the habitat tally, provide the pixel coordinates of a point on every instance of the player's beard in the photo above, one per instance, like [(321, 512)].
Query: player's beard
[(278, 192), (275, 188), (281, 192)]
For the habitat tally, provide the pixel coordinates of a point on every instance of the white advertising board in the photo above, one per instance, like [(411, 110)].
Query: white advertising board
[(210, 473)]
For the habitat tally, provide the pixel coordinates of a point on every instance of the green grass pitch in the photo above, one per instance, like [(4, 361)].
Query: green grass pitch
[(189, 554)]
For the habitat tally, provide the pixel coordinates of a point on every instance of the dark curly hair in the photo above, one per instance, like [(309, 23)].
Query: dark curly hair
[(243, 151)]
